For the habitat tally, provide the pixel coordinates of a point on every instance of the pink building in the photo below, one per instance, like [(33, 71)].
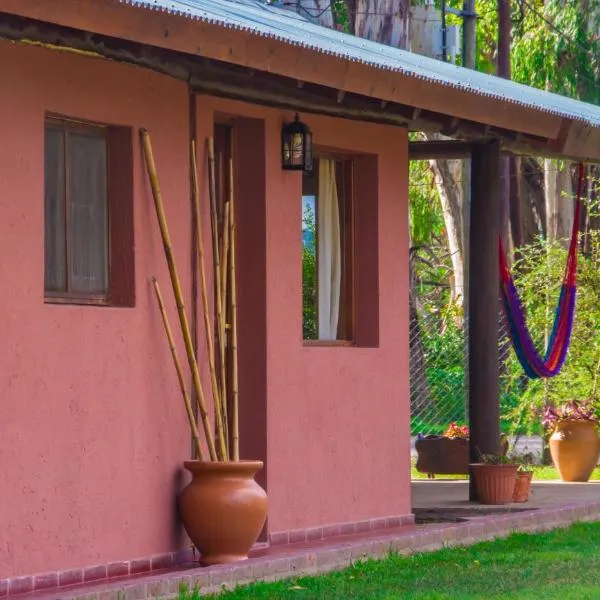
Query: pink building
[(93, 431)]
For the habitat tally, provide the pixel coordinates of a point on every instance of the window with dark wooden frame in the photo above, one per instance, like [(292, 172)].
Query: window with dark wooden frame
[(328, 252), (88, 214)]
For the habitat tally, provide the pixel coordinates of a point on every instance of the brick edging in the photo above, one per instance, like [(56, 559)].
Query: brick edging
[(96, 573), (340, 555), (92, 574), (334, 556), (314, 534)]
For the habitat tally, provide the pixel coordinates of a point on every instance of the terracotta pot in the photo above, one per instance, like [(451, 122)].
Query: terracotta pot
[(495, 483), (223, 509), (575, 448), (442, 456), (522, 486)]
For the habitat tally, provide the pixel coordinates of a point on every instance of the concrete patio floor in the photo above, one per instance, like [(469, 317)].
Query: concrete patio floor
[(454, 494)]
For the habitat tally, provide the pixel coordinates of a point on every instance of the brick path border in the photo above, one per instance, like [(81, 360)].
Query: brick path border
[(323, 556)]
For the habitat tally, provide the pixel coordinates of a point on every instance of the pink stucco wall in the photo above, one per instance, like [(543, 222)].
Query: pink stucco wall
[(338, 420), (337, 417), (92, 432)]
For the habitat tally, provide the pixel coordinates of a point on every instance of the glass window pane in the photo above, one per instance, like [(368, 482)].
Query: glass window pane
[(55, 274), (310, 326), (88, 214)]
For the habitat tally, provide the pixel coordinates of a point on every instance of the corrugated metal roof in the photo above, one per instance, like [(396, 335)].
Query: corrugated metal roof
[(286, 26)]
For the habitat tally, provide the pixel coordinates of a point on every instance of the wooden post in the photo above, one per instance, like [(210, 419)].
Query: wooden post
[(483, 371)]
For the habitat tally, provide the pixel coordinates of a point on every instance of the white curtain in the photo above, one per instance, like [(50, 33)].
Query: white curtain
[(329, 250)]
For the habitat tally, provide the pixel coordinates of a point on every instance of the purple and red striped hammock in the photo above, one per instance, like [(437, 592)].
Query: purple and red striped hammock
[(534, 364)]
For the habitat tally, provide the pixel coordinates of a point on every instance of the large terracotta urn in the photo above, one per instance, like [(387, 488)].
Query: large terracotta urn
[(575, 448), (223, 509)]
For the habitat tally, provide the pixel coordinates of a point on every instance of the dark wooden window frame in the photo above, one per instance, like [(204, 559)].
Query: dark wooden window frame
[(120, 226), (345, 170)]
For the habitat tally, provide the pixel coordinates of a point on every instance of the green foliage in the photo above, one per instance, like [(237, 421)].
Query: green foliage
[(553, 45), (309, 278), (563, 57), (538, 275), (426, 219)]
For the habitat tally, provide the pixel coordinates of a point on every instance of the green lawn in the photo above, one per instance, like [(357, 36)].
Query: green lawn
[(540, 473), (562, 564)]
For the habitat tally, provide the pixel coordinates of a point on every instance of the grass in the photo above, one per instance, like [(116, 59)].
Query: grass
[(545, 473), (563, 564)]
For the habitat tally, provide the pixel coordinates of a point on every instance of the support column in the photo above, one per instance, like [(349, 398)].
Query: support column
[(483, 367)]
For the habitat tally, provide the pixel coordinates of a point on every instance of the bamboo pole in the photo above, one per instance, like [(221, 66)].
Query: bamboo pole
[(186, 398), (232, 262), (212, 189), (185, 328), (223, 323), (222, 445)]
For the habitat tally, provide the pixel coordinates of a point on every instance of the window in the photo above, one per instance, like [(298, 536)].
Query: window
[(81, 240), (327, 253)]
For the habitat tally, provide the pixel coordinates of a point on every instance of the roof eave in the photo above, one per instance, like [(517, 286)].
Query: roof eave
[(195, 38)]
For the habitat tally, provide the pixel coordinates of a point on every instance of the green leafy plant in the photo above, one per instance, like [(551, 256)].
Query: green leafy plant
[(496, 459), (309, 276), (525, 461), (570, 411)]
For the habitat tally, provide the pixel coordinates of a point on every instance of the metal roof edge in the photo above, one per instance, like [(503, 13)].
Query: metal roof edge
[(272, 22)]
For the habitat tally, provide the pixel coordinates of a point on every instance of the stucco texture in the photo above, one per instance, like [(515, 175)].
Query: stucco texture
[(337, 418), (92, 432), (92, 429)]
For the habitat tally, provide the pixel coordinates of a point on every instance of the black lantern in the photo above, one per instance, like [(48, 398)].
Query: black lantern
[(296, 146)]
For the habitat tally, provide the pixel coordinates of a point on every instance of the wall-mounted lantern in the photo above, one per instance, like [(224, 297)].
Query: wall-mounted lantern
[(296, 146)]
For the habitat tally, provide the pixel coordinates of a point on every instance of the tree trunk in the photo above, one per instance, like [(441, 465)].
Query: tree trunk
[(385, 21), (534, 207), (516, 204), (550, 199), (447, 176), (565, 205), (558, 190)]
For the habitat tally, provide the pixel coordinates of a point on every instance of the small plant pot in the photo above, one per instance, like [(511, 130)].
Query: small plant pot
[(495, 484), (223, 509), (575, 448), (522, 486)]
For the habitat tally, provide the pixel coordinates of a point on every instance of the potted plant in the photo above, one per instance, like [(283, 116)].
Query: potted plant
[(574, 443), (523, 477), (223, 509), (495, 478), (447, 454)]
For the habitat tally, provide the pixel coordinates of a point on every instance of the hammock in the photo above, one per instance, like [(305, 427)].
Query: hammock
[(534, 365)]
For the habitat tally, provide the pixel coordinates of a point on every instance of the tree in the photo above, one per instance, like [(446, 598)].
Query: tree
[(384, 21)]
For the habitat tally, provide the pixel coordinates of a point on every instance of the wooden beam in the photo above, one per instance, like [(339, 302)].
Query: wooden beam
[(269, 93), (249, 84), (439, 149), (484, 306)]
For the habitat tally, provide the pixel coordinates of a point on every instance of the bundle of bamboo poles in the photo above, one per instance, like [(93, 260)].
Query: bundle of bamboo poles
[(222, 436)]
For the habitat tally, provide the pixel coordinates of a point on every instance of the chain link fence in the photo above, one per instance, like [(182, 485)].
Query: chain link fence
[(438, 369)]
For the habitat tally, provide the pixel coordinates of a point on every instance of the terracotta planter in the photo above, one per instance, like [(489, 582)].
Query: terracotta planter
[(223, 509), (440, 455), (522, 486), (495, 483), (575, 448)]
